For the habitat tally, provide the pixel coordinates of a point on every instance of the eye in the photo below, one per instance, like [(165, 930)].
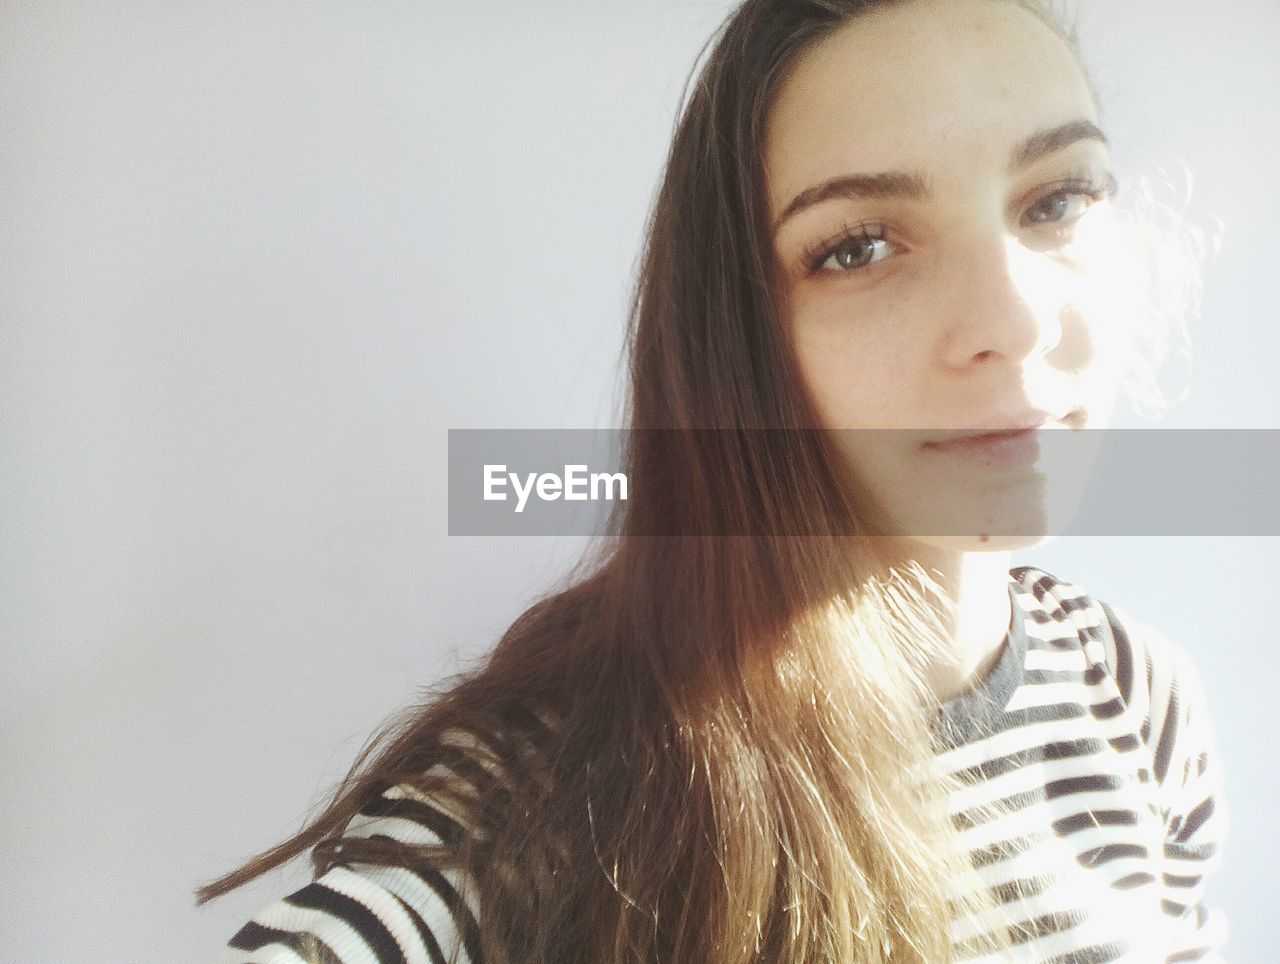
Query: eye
[(1069, 201), (1060, 206), (851, 251)]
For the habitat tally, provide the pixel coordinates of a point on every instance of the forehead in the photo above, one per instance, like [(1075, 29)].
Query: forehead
[(920, 85)]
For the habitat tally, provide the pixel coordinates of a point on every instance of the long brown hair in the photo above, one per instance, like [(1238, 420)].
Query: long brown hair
[(708, 748)]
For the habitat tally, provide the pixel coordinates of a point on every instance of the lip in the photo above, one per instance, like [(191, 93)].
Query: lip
[(1011, 448), (1007, 439), (999, 424)]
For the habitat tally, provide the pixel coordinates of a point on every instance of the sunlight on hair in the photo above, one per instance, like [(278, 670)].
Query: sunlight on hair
[(1173, 252), (873, 702)]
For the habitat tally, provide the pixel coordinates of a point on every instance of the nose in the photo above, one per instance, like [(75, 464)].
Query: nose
[(1003, 300)]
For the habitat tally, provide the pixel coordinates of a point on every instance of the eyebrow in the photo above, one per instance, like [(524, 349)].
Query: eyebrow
[(912, 186)]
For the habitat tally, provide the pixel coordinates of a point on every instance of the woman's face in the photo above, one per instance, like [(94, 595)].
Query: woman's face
[(937, 189)]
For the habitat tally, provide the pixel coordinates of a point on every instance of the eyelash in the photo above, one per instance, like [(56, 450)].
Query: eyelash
[(815, 256)]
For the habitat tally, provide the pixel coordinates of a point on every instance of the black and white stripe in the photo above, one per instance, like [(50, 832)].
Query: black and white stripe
[(1092, 727), (1098, 740)]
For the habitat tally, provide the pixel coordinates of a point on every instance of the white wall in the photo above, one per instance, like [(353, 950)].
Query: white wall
[(256, 259)]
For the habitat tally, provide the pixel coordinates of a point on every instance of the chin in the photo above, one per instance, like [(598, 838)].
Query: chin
[(985, 542)]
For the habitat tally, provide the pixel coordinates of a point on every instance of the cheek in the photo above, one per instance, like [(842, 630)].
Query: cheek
[(853, 368), (1110, 312), (1103, 317), (1111, 285)]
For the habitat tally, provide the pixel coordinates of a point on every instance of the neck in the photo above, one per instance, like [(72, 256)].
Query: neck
[(974, 611)]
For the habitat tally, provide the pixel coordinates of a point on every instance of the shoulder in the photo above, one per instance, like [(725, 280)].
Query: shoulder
[(406, 905), (1155, 678), (1112, 638), (1064, 615), (369, 913)]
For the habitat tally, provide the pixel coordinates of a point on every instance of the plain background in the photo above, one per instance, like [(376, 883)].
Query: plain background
[(257, 258)]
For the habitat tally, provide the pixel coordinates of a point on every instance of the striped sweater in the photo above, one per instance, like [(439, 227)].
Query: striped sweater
[(1092, 726)]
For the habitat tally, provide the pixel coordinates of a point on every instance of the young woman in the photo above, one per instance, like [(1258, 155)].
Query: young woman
[(862, 743)]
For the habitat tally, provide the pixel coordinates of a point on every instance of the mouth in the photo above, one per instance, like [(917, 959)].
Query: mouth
[(1007, 447), (1004, 425)]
